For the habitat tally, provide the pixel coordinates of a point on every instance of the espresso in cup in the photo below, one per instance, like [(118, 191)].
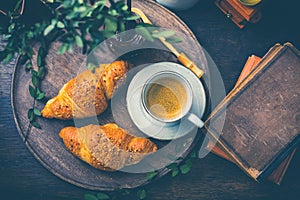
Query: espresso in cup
[(167, 96)]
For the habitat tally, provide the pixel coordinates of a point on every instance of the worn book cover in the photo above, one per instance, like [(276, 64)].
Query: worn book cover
[(262, 114), (277, 175)]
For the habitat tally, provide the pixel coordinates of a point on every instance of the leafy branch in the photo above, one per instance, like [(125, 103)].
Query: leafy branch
[(183, 168), (71, 22)]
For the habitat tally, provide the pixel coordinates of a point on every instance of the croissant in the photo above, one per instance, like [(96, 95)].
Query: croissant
[(86, 95), (106, 147)]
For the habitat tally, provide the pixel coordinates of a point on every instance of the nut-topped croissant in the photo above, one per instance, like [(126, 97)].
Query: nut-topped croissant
[(86, 95), (106, 147)]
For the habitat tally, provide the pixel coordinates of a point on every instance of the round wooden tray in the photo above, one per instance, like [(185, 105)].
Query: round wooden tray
[(45, 143)]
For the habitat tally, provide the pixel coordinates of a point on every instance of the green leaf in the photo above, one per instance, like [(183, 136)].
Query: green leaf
[(68, 3), (193, 154), (189, 162), (50, 1), (151, 175), (141, 194), (30, 34), (6, 36), (33, 72), (180, 158), (185, 168), (122, 27), (75, 24), (29, 53), (172, 166), (40, 96), (80, 9), (53, 22), (39, 60), (134, 17), (30, 115), (90, 197), (37, 112), (8, 58), (41, 72), (174, 169), (48, 29), (174, 40), (28, 66), (175, 172), (119, 4), (72, 15), (124, 8), (113, 12), (17, 5), (11, 27), (41, 51), (144, 33), (110, 24), (63, 48), (60, 24), (78, 41), (34, 81), (32, 91), (102, 196), (164, 34), (107, 34), (35, 124), (70, 48), (99, 16)]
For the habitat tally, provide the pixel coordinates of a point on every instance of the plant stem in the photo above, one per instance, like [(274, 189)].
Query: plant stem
[(129, 5)]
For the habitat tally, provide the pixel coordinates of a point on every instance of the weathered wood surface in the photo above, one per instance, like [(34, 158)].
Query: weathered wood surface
[(45, 143), (23, 177)]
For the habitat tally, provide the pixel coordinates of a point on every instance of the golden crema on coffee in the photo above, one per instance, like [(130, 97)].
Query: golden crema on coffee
[(166, 98)]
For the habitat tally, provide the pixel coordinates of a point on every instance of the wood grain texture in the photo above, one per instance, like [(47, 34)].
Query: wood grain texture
[(23, 177), (45, 143)]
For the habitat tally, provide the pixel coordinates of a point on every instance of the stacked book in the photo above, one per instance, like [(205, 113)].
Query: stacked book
[(262, 123)]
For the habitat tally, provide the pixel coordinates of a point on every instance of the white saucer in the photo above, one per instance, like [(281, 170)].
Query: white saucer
[(152, 127)]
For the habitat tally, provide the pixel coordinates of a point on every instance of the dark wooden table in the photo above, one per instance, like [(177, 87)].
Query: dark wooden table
[(23, 177)]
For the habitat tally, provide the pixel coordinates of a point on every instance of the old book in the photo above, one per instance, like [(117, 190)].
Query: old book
[(250, 64), (277, 175), (262, 114)]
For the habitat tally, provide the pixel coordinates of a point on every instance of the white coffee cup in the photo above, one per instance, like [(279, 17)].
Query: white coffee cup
[(167, 97)]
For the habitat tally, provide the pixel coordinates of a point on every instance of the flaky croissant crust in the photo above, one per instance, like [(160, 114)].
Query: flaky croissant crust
[(86, 95), (107, 147)]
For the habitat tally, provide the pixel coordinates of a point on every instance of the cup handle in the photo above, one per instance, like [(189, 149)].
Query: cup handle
[(195, 120)]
